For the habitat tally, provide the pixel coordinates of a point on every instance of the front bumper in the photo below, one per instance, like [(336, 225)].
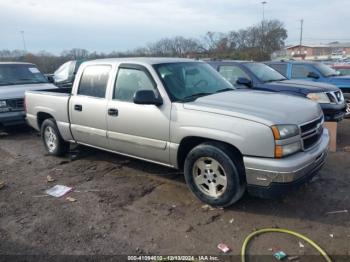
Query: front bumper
[(334, 112), (267, 177), (12, 118)]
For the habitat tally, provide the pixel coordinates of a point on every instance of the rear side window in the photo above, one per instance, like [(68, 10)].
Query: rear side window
[(281, 68), (129, 81), (232, 73), (94, 81)]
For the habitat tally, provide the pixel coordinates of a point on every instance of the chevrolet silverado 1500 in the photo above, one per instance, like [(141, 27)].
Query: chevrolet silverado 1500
[(181, 113)]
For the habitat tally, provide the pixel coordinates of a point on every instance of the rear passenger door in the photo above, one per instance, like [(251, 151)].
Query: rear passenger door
[(88, 106), (134, 129)]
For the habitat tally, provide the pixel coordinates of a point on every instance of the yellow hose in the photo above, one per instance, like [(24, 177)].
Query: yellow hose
[(281, 230)]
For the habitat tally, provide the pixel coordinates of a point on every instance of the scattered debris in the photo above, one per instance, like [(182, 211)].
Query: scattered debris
[(347, 148), (173, 206), (2, 184), (71, 199), (50, 179), (301, 245), (232, 220), (207, 207), (58, 190), (293, 258), (337, 212), (280, 255), (331, 235), (223, 247)]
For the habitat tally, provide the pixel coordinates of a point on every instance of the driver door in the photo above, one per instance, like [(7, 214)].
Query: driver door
[(133, 129)]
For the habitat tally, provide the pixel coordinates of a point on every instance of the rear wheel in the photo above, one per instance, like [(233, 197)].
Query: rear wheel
[(215, 174), (54, 143)]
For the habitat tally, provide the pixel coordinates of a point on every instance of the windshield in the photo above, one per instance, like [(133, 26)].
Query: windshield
[(19, 74), (325, 70), (264, 73), (190, 80)]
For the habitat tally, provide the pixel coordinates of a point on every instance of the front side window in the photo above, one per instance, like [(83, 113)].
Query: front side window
[(187, 81), (280, 68), (20, 74), (129, 81), (94, 81), (301, 71), (232, 73), (263, 72)]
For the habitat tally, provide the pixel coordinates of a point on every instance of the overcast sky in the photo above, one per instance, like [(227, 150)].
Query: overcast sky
[(106, 25)]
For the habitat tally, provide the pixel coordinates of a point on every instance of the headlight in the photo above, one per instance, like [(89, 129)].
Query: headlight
[(285, 150), (281, 132), (3, 103), (284, 131), (319, 98)]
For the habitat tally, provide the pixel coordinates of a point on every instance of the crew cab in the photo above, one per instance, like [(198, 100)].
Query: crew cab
[(311, 71), (181, 113), (15, 79), (258, 76)]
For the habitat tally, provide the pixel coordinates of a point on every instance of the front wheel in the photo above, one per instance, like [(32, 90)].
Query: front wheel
[(54, 143), (215, 174)]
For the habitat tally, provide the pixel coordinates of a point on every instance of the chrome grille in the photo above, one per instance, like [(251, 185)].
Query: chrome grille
[(311, 132), (16, 104), (335, 97)]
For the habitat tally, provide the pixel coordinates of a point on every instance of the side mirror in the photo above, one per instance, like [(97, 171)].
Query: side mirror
[(147, 97), (50, 79), (313, 75), (244, 81)]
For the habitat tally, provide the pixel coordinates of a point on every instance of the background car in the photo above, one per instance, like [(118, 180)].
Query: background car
[(64, 76), (15, 79), (343, 69), (312, 71), (259, 76)]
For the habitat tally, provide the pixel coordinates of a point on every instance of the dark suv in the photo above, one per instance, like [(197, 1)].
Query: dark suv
[(258, 76)]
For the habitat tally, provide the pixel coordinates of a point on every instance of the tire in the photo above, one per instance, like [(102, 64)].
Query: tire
[(53, 141), (215, 174)]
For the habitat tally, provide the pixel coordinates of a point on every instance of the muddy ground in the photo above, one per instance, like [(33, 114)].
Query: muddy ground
[(126, 206)]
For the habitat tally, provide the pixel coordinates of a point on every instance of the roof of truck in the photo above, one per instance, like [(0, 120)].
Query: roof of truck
[(146, 60), (15, 63)]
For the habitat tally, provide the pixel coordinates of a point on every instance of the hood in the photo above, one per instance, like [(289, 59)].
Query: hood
[(340, 79), (303, 86), (264, 107), (17, 91)]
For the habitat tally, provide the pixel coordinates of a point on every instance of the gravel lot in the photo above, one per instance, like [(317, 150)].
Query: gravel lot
[(126, 206)]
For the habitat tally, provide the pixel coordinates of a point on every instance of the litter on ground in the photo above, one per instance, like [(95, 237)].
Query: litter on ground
[(2, 184), (223, 247), (50, 179), (280, 255), (58, 190), (71, 199), (337, 212)]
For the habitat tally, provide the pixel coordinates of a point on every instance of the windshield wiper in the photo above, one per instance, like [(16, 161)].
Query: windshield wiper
[(274, 80), (194, 96), (6, 83), (225, 90)]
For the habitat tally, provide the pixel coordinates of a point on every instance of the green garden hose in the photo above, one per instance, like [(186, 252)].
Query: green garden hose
[(281, 230)]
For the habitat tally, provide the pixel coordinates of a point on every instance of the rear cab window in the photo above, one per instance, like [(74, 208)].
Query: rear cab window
[(94, 80)]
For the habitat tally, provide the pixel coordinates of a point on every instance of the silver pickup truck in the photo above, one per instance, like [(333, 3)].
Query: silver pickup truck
[(181, 113), (15, 79)]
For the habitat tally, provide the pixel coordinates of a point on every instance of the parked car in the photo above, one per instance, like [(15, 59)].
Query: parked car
[(311, 71), (258, 76), (65, 74), (343, 69), (181, 113), (15, 79)]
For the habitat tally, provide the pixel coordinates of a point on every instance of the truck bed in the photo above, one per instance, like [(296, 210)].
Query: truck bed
[(52, 101)]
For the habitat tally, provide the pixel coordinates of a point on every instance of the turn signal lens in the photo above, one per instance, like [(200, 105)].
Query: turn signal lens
[(276, 132), (278, 151)]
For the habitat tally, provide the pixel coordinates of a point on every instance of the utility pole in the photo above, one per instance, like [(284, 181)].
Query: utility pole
[(301, 35), (24, 42), (263, 10)]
